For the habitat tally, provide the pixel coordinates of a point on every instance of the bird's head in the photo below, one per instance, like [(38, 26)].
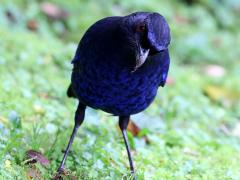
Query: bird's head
[(148, 34)]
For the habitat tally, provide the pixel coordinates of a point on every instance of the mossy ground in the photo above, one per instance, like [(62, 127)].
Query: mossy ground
[(192, 127)]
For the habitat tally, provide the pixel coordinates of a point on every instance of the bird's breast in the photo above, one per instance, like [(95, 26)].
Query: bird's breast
[(114, 90)]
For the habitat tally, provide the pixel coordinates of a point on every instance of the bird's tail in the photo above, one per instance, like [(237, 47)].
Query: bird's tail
[(70, 92)]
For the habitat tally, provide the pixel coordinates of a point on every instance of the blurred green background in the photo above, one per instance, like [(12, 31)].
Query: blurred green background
[(191, 131)]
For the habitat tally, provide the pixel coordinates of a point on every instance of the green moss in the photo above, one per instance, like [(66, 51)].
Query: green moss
[(193, 134)]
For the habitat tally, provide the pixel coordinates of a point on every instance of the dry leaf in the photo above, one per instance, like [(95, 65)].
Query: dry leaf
[(35, 156), (228, 96), (44, 95), (32, 25), (181, 19), (133, 128), (65, 174), (33, 173), (216, 93), (214, 70), (53, 11), (39, 109), (170, 80), (136, 131)]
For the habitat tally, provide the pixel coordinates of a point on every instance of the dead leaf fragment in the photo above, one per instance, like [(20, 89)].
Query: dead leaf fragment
[(44, 95), (215, 92), (33, 173), (65, 174), (136, 131), (53, 11), (133, 128), (170, 80), (181, 19), (35, 156), (214, 70), (227, 96), (39, 109), (32, 25)]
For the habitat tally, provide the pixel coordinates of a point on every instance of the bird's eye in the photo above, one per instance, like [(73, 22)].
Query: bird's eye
[(141, 28)]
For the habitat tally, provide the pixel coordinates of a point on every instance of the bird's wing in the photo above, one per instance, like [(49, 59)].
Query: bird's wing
[(70, 92), (76, 67), (165, 59)]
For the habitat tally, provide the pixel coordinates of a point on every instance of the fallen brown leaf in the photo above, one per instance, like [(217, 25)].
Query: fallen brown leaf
[(228, 96), (181, 19), (66, 174), (215, 92), (133, 128), (53, 11), (35, 156), (44, 95), (33, 173), (32, 25)]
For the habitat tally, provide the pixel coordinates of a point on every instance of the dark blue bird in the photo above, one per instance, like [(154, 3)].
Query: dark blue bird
[(118, 66)]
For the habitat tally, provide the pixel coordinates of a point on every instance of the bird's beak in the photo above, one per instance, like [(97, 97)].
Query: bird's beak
[(141, 57)]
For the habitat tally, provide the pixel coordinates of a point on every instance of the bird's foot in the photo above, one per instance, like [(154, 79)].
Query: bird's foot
[(59, 174)]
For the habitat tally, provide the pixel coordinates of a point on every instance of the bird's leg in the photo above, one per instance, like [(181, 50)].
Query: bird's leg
[(123, 123), (79, 117)]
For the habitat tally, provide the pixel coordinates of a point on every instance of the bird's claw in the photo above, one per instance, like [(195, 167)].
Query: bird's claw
[(58, 176)]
